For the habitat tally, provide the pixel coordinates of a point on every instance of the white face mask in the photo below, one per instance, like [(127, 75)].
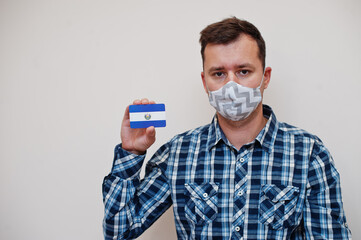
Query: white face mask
[(234, 101)]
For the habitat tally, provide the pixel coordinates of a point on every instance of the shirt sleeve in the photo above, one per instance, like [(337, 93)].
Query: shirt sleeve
[(131, 204), (324, 217)]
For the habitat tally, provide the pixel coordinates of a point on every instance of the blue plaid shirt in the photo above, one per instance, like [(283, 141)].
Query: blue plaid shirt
[(283, 185)]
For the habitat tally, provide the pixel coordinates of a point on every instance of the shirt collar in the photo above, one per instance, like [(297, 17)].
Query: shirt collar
[(215, 134), (265, 138)]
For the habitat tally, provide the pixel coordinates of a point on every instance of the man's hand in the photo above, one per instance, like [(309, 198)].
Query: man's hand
[(138, 140)]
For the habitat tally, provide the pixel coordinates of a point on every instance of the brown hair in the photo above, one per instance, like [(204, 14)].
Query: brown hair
[(227, 31)]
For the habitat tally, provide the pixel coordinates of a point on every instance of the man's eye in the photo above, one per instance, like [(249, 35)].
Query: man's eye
[(218, 74), (243, 72)]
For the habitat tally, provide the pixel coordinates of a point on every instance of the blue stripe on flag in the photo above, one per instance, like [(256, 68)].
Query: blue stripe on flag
[(147, 108), (145, 124)]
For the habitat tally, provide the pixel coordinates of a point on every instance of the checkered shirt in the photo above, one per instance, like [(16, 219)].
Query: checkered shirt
[(282, 185)]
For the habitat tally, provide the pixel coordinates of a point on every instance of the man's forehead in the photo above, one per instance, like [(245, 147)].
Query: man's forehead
[(240, 40), (243, 51)]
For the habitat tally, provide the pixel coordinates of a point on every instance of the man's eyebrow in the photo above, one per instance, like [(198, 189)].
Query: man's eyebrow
[(245, 65), (212, 69), (220, 68)]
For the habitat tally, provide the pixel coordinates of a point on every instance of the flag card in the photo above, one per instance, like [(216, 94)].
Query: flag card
[(146, 115)]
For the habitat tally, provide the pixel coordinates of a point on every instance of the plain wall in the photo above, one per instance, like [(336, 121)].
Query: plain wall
[(69, 68)]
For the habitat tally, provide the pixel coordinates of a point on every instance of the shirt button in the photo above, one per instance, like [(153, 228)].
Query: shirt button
[(241, 160), (237, 229), (205, 195), (239, 193)]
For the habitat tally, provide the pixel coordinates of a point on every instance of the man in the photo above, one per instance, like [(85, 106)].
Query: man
[(243, 176)]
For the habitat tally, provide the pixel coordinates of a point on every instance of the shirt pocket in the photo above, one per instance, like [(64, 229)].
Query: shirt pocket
[(277, 205), (201, 202)]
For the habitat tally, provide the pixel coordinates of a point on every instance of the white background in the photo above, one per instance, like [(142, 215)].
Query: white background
[(69, 68)]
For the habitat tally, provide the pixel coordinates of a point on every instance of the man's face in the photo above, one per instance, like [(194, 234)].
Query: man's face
[(237, 61)]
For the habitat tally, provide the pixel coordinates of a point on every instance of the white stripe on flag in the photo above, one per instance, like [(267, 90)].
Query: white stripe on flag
[(141, 116)]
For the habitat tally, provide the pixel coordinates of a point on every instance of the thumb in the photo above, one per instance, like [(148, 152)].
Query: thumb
[(150, 132), (143, 142), (150, 135)]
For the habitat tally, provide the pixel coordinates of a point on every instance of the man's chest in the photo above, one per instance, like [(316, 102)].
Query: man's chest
[(238, 194)]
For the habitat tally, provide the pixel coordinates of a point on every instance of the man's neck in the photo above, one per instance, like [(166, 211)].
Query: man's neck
[(242, 132)]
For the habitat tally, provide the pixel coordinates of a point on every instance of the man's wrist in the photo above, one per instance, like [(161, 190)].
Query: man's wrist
[(136, 152)]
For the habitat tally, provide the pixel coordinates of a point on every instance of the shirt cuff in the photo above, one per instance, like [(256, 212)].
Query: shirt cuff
[(126, 164)]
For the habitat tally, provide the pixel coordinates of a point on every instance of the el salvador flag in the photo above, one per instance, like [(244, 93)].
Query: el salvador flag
[(143, 116)]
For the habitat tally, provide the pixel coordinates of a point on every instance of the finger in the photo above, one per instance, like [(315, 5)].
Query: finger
[(136, 102), (126, 113), (145, 101), (151, 102)]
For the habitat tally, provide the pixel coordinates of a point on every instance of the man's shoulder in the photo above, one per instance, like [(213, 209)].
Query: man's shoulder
[(297, 132), (198, 132)]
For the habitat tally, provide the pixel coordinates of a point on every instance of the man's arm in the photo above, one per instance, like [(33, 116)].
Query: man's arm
[(324, 217), (131, 204)]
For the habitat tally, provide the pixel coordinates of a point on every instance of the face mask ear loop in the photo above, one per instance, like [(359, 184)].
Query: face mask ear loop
[(264, 71), (206, 87)]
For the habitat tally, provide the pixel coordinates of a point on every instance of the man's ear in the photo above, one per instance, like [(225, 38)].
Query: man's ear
[(267, 77), (204, 82)]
